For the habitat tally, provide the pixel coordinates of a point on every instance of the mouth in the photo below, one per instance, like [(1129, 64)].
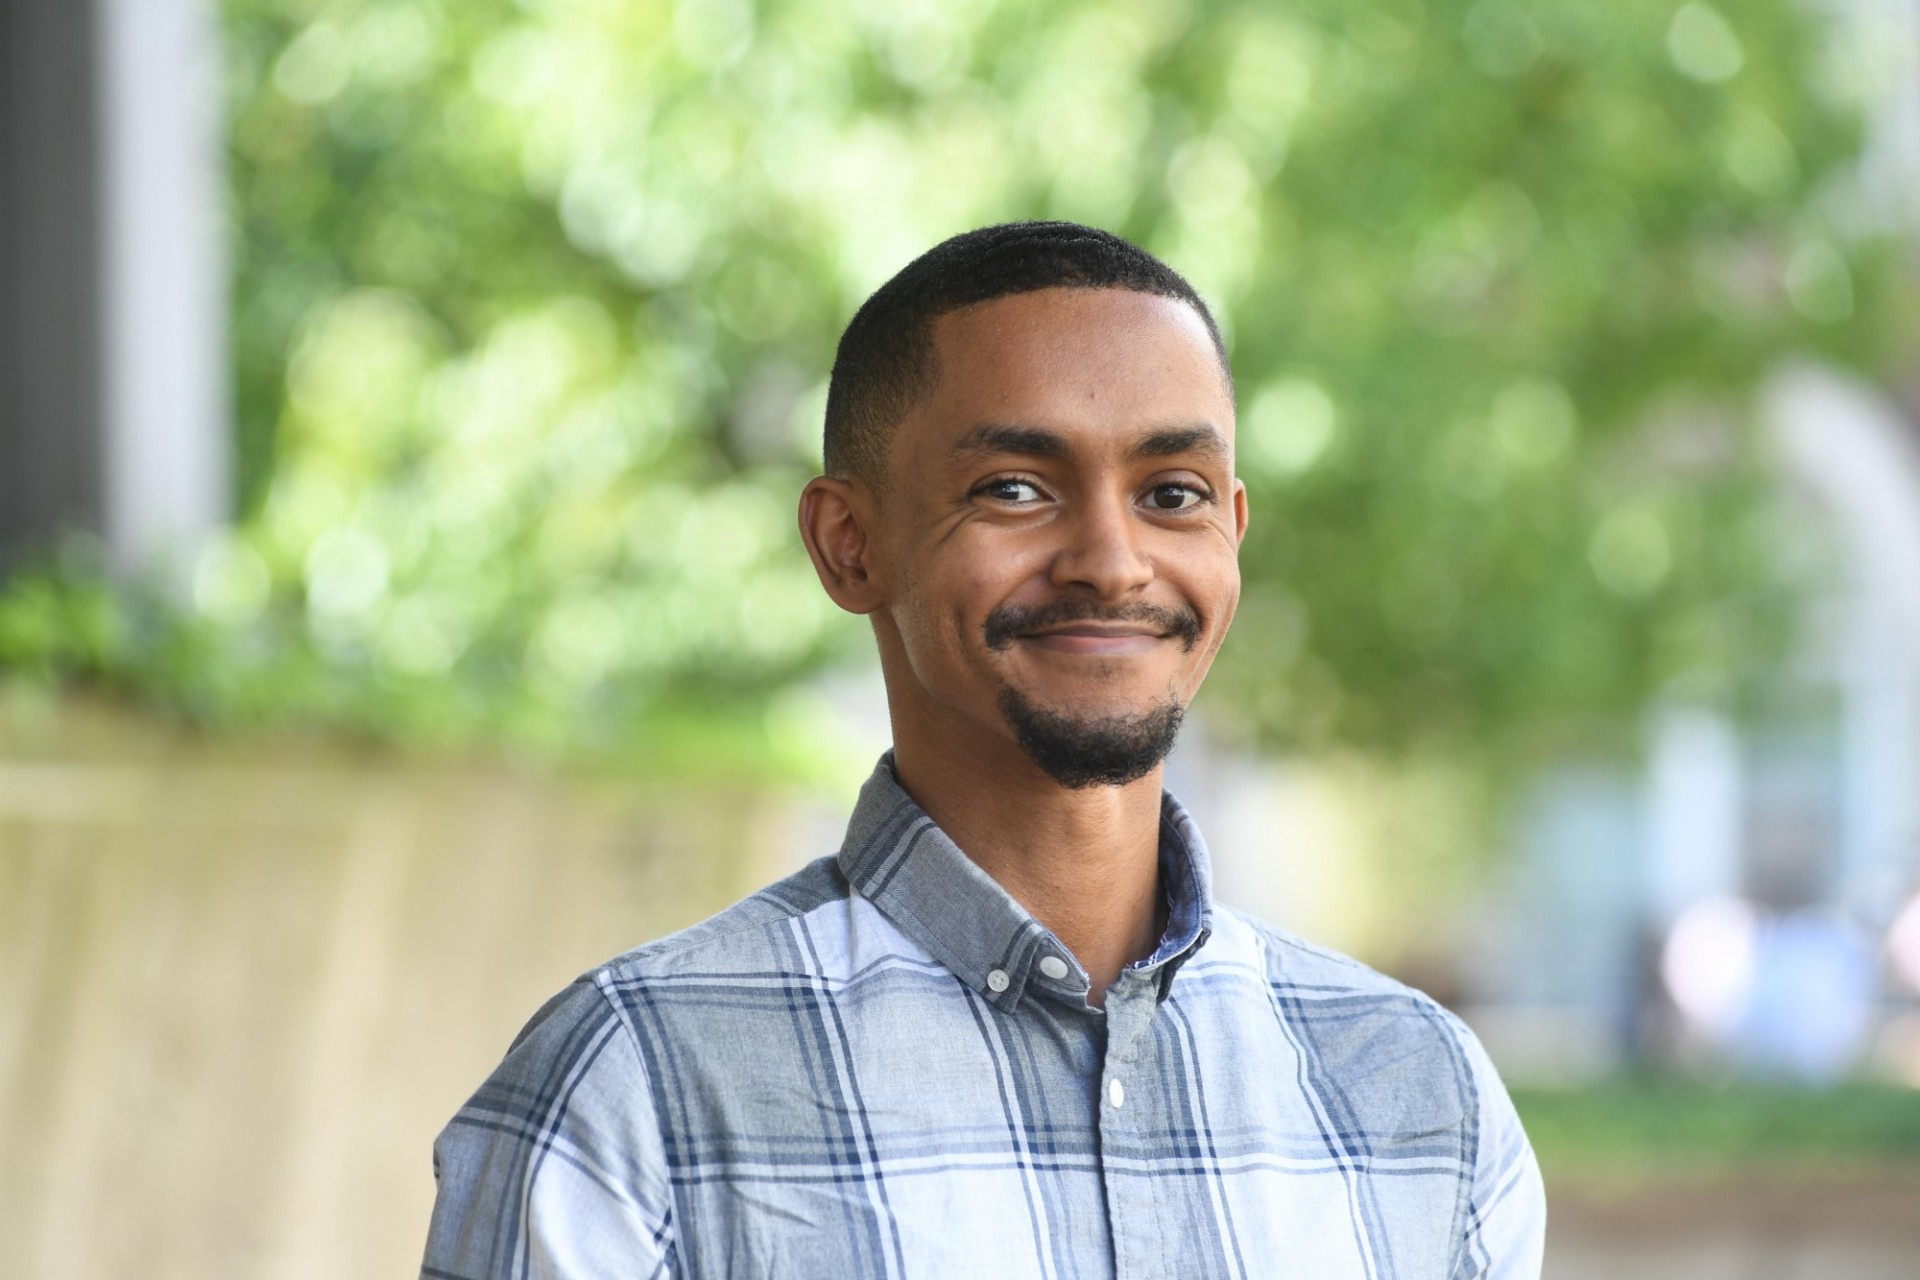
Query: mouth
[(1071, 626), (1102, 639)]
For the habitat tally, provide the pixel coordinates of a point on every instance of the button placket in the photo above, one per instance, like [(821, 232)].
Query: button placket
[(1130, 1008)]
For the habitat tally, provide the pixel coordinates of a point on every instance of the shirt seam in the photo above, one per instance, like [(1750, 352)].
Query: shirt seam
[(1463, 1198), (664, 947), (1301, 945), (670, 1227)]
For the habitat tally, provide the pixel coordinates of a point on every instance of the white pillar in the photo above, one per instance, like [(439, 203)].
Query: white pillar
[(166, 413)]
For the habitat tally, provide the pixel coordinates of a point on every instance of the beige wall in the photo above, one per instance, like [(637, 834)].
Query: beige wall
[(242, 988)]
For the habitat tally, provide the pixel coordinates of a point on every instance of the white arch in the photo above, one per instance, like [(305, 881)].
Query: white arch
[(1856, 456)]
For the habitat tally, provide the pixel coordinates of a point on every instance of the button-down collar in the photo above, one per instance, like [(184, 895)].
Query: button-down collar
[(898, 859)]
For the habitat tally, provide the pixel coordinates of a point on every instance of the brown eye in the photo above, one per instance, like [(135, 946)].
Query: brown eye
[(1009, 491), (1172, 497)]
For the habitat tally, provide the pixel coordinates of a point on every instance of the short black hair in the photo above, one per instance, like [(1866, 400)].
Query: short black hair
[(887, 360)]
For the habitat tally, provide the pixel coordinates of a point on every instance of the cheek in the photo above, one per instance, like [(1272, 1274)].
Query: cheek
[(952, 594), (1230, 596), (1215, 591), (941, 612)]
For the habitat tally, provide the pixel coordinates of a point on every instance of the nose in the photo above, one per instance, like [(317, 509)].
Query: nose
[(1101, 553)]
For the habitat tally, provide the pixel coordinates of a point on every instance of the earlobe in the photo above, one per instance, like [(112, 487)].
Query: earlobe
[(833, 520)]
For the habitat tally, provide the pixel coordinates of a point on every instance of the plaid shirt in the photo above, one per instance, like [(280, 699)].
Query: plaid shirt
[(885, 1067)]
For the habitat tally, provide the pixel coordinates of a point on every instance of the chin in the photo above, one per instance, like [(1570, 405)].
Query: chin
[(1081, 746)]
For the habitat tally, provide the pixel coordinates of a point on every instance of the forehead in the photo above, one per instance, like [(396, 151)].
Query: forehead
[(1087, 362)]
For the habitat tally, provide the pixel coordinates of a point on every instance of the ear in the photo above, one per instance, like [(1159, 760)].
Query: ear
[(1239, 511), (835, 516)]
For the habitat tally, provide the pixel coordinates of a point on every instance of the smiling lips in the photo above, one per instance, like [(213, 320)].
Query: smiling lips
[(1104, 639), (1078, 626)]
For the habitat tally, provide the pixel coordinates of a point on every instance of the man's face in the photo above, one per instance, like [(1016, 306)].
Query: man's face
[(1059, 533)]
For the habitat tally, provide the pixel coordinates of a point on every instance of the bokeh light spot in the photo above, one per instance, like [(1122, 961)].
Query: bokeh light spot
[(1703, 45), (1533, 422), (1287, 428), (1903, 943), (347, 574), (1707, 962), (230, 582), (316, 66), (1631, 551), (1818, 282)]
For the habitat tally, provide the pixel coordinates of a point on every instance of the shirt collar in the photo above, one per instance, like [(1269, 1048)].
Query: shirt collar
[(897, 859)]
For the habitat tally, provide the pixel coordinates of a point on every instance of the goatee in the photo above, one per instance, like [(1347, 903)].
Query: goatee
[(1102, 751)]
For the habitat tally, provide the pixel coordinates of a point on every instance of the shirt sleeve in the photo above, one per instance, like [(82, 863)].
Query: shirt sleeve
[(555, 1169), (1503, 1235)]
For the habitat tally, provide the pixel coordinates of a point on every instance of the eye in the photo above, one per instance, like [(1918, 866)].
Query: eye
[(1009, 490), (1174, 497)]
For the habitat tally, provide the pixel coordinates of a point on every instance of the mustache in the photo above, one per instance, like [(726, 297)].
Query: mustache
[(1009, 622)]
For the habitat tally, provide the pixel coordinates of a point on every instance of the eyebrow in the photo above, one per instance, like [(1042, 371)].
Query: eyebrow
[(1032, 442), (1202, 439), (1038, 442)]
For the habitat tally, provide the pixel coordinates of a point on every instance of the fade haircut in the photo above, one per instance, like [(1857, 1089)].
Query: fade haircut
[(887, 360)]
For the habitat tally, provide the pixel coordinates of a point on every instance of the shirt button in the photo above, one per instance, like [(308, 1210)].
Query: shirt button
[(1054, 967), (1116, 1093), (997, 980)]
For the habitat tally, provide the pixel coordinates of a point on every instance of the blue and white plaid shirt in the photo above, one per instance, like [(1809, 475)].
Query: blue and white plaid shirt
[(883, 1066)]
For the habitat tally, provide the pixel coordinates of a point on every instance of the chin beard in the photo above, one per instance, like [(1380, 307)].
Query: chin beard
[(1103, 751)]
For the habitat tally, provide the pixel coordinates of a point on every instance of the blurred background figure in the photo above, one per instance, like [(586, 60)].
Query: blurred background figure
[(402, 406)]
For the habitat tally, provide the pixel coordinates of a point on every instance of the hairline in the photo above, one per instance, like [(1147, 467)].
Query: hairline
[(924, 375)]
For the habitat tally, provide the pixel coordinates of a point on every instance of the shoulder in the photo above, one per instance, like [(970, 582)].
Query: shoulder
[(734, 939), (1398, 1072), (559, 1148), (1301, 967), (584, 1039), (1370, 1034), (743, 935)]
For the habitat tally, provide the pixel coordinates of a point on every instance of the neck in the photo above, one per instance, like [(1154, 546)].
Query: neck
[(1084, 862)]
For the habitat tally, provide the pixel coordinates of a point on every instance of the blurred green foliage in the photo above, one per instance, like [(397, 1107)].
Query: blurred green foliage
[(535, 302), (1640, 1129)]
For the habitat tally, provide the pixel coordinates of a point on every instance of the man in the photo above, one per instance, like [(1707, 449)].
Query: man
[(1005, 1032)]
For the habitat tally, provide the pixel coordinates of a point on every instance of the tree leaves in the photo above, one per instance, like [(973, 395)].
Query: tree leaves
[(535, 301)]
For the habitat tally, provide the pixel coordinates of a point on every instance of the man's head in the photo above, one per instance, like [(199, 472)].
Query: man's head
[(1030, 490), (887, 358)]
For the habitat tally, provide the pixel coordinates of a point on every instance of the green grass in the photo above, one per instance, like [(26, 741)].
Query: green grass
[(1663, 1129)]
